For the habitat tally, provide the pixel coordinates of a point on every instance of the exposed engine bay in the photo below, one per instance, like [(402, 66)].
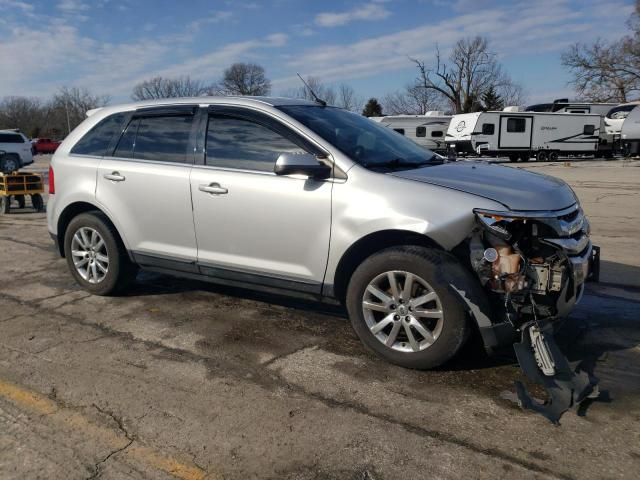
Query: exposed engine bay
[(534, 265)]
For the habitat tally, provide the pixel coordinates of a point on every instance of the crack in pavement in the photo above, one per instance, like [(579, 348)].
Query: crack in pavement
[(28, 244), (259, 372)]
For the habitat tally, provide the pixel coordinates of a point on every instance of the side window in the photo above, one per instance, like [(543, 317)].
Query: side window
[(165, 139), (488, 129), (422, 132), (97, 140), (516, 125), (11, 138), (399, 130), (437, 133), (589, 129), (127, 140), (235, 142), (161, 138)]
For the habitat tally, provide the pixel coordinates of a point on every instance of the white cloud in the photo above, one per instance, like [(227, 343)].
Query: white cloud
[(367, 12), (215, 17), (72, 6)]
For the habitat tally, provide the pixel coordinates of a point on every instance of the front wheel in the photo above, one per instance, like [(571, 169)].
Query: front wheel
[(402, 306)]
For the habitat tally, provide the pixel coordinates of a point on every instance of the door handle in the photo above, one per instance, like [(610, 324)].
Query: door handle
[(213, 188), (114, 177)]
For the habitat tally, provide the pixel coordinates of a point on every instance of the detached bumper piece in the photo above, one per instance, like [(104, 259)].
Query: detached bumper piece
[(543, 363)]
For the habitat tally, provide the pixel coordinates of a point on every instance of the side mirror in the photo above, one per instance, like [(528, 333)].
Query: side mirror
[(302, 164)]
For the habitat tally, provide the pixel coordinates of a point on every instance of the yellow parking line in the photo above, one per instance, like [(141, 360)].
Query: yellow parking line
[(42, 405)]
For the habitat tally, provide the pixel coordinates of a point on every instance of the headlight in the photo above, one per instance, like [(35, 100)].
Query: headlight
[(498, 222)]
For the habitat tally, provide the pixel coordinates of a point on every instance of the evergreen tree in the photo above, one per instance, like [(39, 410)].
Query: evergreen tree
[(491, 101), (372, 108)]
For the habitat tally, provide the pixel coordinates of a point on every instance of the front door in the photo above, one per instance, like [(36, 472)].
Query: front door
[(251, 224), (145, 186), (515, 132)]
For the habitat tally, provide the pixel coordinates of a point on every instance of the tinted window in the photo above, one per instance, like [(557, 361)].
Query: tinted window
[(488, 128), (589, 129), (161, 138), (366, 142), (516, 125), (399, 130), (11, 138), (421, 132), (97, 140), (437, 133), (618, 113), (234, 142)]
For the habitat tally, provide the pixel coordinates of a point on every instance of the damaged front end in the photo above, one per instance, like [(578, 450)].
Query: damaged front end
[(534, 265)]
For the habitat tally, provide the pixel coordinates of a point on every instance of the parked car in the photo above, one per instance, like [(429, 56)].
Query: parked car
[(17, 151), (45, 145), (297, 197)]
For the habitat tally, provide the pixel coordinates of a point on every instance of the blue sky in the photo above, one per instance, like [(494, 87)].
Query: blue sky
[(109, 45)]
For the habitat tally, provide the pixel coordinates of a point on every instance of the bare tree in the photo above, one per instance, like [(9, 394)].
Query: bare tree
[(24, 113), (606, 71), (470, 71), (412, 100), (245, 79), (160, 87), (69, 107), (348, 99)]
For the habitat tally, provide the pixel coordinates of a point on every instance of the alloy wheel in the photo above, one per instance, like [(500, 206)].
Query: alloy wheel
[(402, 311), (89, 254)]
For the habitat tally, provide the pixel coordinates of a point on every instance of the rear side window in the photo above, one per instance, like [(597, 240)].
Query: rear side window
[(488, 129), (234, 142), (437, 133), (159, 138), (589, 129), (516, 125), (399, 130), (11, 138), (421, 132), (97, 140)]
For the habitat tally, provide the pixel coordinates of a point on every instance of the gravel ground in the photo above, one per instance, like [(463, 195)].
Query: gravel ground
[(188, 380)]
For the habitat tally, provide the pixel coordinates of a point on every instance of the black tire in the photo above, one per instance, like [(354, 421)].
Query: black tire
[(553, 156), (37, 202), (5, 203), (513, 158), (542, 156), (525, 157), (121, 271), (9, 163), (21, 200), (440, 270)]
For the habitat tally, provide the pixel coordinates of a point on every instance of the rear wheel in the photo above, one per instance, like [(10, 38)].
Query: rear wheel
[(21, 200), (553, 156), (9, 163), (542, 156), (513, 158), (95, 255), (402, 306), (37, 202)]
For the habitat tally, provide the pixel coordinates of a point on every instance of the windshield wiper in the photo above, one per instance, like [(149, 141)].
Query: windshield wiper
[(398, 163)]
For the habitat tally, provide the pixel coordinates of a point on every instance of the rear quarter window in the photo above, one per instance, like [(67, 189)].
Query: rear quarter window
[(97, 140)]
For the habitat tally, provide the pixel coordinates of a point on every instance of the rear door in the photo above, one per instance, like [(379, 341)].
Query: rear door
[(145, 188), (515, 132)]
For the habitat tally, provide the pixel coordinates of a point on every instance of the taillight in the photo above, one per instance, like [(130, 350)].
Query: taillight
[(52, 182)]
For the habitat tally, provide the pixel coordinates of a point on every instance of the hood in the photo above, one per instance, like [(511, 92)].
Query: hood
[(515, 188)]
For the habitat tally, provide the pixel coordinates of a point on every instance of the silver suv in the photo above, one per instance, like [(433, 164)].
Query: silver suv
[(297, 197)]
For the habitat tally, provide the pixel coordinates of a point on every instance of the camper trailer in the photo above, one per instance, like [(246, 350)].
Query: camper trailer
[(630, 132), (613, 121), (608, 138), (426, 130), (519, 135)]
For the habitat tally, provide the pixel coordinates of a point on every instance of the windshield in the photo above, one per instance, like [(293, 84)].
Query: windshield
[(366, 142)]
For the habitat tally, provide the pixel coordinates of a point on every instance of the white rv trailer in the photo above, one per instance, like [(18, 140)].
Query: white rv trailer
[(426, 130), (519, 135), (630, 132), (608, 138), (616, 116)]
